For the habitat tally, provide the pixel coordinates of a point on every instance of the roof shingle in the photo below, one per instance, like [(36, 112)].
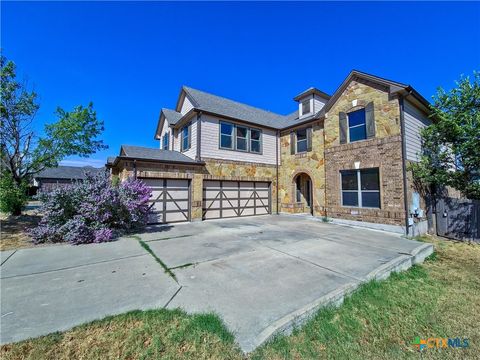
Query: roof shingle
[(139, 152), (230, 108)]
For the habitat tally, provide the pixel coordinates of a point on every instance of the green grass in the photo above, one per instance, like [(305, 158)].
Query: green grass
[(166, 334), (440, 298)]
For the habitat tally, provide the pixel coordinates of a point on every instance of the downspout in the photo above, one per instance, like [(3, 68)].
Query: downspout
[(199, 136), (135, 169), (276, 159), (404, 162)]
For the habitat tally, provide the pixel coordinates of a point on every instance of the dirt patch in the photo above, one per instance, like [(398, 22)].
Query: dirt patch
[(14, 230)]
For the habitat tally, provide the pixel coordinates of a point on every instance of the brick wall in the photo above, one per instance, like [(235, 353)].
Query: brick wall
[(384, 154)]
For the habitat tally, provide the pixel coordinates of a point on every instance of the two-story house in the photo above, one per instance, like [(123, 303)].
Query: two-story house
[(342, 156)]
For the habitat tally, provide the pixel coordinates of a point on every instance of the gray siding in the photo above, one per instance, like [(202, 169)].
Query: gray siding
[(210, 144), (415, 121), (192, 152)]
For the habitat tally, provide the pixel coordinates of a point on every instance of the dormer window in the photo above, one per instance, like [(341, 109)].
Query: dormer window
[(305, 107)]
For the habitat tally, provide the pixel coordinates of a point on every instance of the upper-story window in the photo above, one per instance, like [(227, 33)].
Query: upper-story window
[(166, 140), (185, 138), (255, 141), (226, 135), (241, 138), (357, 127), (305, 107), (301, 140)]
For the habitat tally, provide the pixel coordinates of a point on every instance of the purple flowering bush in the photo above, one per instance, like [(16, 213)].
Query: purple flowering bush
[(92, 211)]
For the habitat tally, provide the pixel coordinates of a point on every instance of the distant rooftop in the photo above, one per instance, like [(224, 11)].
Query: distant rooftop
[(67, 172)]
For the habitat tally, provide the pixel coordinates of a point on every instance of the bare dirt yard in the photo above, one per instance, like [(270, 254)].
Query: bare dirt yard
[(13, 230)]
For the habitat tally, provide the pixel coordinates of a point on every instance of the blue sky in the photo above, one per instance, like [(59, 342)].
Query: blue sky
[(131, 59)]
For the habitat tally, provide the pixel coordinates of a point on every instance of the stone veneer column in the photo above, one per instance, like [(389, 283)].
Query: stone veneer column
[(197, 197)]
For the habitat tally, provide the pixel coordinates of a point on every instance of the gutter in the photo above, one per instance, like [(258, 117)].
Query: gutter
[(276, 160), (134, 159), (316, 117), (404, 161), (199, 136)]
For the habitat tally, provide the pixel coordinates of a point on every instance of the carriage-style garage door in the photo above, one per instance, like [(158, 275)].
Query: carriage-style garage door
[(222, 199), (170, 200)]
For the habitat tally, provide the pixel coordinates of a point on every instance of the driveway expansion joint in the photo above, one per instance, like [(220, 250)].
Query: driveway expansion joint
[(73, 267), (173, 296), (8, 257), (317, 265)]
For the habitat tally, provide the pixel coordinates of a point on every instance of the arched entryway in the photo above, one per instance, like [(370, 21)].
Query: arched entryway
[(303, 193)]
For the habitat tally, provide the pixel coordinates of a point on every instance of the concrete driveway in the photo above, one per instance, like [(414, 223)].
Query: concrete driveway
[(260, 274)]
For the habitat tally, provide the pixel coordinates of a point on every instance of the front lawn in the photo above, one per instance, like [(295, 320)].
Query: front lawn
[(440, 298)]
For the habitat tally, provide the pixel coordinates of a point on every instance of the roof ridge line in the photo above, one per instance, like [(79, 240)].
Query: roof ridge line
[(235, 101)]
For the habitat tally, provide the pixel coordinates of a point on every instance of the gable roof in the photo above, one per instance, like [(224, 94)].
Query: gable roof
[(144, 153), (172, 116), (67, 172), (310, 91), (393, 87), (223, 107)]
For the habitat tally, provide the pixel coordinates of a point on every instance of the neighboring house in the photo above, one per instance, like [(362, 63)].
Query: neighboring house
[(52, 178), (342, 156)]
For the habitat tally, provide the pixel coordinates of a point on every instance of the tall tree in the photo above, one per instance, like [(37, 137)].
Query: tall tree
[(23, 152), (452, 142)]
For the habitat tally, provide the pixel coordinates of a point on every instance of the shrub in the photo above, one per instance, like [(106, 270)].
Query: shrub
[(13, 197), (92, 211)]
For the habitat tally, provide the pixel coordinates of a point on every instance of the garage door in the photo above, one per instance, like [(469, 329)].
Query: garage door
[(169, 201), (223, 199)]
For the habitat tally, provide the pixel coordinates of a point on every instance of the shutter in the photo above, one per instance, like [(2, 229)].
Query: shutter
[(292, 143), (309, 139), (189, 135), (343, 123), (370, 120)]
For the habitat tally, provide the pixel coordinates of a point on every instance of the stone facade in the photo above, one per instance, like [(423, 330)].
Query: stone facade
[(383, 152), (321, 165), (311, 163), (213, 169), (242, 171), (356, 95)]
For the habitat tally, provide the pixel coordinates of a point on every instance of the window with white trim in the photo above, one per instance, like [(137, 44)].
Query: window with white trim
[(361, 188), (305, 107)]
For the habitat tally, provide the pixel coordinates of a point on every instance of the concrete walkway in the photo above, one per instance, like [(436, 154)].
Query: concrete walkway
[(260, 274)]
